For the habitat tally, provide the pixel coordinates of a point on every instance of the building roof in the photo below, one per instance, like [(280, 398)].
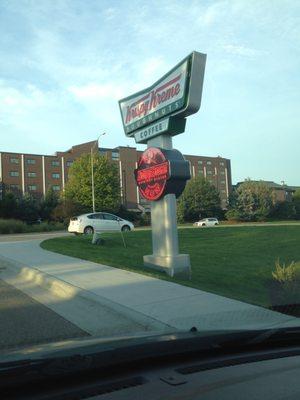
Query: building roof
[(275, 186)]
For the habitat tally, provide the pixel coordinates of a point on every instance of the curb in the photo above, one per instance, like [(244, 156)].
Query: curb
[(65, 290)]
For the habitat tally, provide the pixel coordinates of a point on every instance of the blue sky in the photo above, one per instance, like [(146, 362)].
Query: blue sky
[(65, 64)]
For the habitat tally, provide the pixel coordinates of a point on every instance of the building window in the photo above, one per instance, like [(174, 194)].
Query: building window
[(115, 155), (55, 163), (14, 173), (14, 187), (69, 163), (223, 191), (223, 182), (208, 162), (209, 172), (55, 175), (200, 171), (222, 172), (30, 161), (56, 188), (32, 188), (200, 162), (221, 164), (14, 160), (31, 174)]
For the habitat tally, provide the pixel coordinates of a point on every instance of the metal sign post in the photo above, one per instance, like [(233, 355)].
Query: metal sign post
[(165, 247), (152, 116)]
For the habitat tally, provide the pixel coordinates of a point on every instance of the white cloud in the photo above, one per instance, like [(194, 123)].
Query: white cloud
[(212, 14), (241, 50), (95, 91), (16, 102)]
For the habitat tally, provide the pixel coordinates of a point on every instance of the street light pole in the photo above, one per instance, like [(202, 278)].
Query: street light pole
[(92, 171)]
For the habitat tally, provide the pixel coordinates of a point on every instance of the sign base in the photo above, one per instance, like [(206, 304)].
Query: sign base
[(178, 266)]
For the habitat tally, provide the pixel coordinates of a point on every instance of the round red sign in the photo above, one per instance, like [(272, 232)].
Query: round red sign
[(152, 174)]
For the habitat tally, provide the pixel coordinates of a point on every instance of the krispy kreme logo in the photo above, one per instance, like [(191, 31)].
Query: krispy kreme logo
[(152, 174), (165, 97), (151, 100)]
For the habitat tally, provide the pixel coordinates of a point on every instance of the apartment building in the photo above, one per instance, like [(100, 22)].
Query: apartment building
[(35, 173)]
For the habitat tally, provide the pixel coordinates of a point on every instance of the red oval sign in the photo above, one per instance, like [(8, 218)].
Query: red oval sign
[(152, 174)]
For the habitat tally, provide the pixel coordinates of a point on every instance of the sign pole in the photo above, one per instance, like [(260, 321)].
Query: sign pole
[(166, 255)]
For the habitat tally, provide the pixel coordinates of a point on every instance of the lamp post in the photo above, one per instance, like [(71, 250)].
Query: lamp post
[(92, 170)]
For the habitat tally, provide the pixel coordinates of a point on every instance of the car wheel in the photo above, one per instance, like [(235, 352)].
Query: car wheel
[(203, 225), (125, 228), (216, 224), (88, 230)]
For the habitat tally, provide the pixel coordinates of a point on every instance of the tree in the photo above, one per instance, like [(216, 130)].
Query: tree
[(28, 208), (200, 199), (284, 210), (106, 183), (8, 206), (65, 209), (296, 202), (253, 201), (48, 204)]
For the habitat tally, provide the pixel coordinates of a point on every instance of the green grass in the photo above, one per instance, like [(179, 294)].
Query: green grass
[(234, 262)]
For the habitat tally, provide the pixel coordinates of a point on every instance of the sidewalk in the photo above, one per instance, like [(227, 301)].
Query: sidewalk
[(161, 304)]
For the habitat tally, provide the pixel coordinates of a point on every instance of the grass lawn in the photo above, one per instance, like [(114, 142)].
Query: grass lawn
[(234, 262)]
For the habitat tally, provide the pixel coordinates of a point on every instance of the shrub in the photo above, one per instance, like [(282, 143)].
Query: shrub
[(284, 210), (16, 226), (67, 209), (285, 288), (144, 220), (12, 226), (129, 215), (233, 215), (283, 273)]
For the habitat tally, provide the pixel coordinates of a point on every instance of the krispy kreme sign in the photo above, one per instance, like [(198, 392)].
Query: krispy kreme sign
[(176, 93), (160, 172)]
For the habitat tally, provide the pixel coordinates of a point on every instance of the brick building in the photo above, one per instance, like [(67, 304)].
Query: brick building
[(35, 174)]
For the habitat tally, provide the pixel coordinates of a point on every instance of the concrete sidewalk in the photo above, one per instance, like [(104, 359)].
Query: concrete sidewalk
[(159, 304)]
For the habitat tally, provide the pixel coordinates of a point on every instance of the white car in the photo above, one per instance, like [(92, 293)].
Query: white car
[(207, 222), (99, 221)]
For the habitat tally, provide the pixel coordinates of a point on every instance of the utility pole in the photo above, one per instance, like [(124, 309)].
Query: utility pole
[(92, 170)]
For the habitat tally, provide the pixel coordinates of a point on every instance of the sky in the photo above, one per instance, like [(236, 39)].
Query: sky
[(65, 64)]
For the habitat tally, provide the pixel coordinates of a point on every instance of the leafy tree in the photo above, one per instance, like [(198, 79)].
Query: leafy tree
[(106, 183), (296, 203), (253, 201), (66, 209), (27, 209), (284, 210), (48, 204), (8, 206), (200, 199)]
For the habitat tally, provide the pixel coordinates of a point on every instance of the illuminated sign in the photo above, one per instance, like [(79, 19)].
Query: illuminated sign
[(161, 172), (176, 93)]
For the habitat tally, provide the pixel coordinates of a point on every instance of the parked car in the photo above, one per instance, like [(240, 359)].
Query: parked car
[(207, 222), (100, 221)]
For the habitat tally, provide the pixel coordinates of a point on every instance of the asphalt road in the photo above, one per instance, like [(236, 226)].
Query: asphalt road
[(24, 321)]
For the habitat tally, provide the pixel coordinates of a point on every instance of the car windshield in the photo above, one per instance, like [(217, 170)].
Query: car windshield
[(149, 178)]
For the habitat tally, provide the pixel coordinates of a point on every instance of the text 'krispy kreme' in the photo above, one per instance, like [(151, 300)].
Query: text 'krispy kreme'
[(153, 174), (154, 98), (176, 94)]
